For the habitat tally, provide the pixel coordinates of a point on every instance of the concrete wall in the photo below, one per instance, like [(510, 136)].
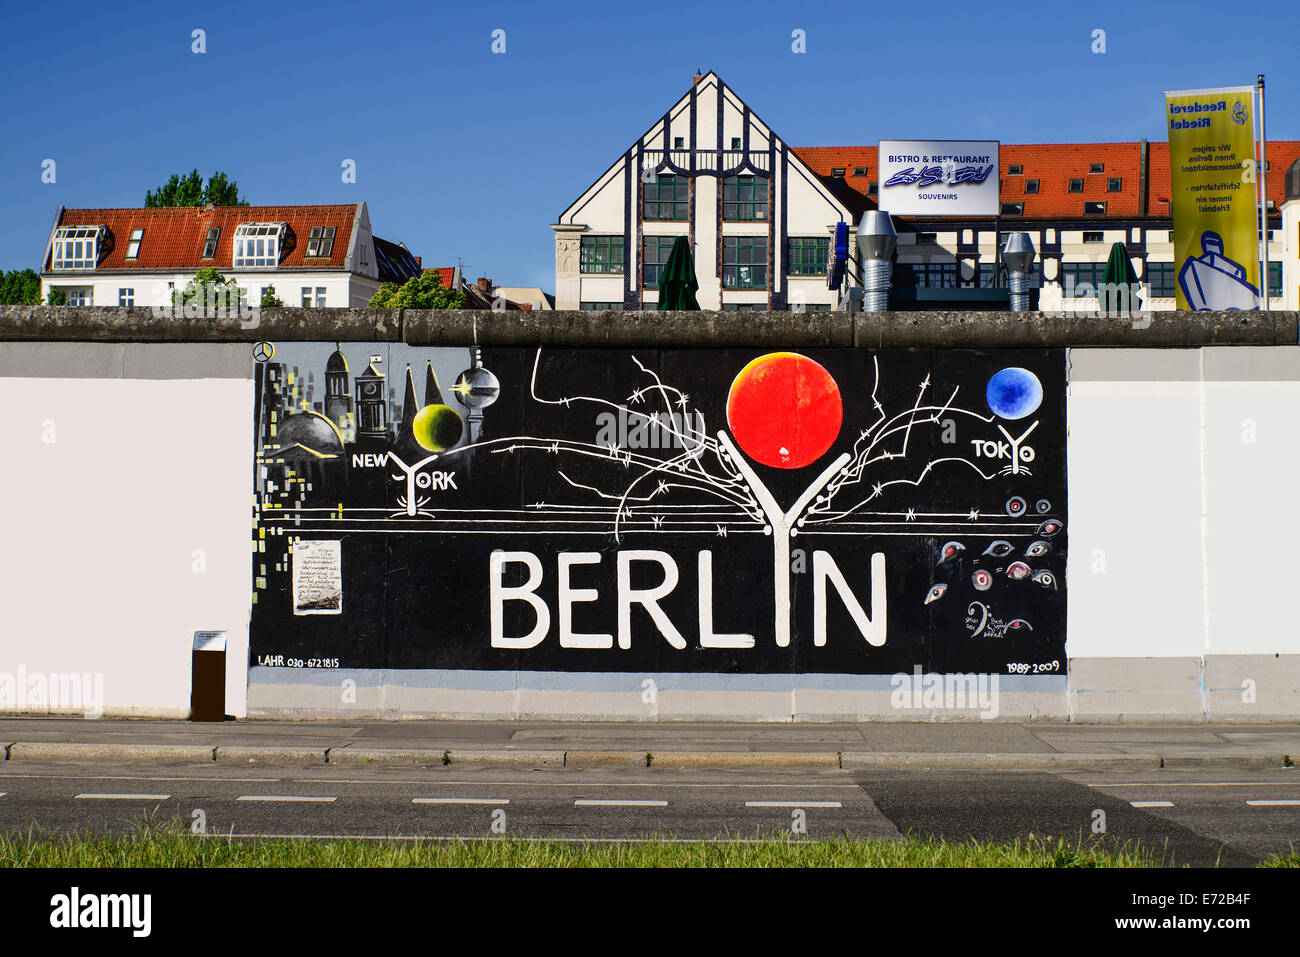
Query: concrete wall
[(128, 486)]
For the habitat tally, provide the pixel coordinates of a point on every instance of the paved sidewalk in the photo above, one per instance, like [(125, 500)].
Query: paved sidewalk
[(1022, 746)]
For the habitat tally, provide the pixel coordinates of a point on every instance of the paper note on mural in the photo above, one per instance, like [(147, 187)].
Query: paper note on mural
[(318, 578)]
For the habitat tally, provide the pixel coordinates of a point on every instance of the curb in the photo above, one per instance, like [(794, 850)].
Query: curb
[(667, 760)]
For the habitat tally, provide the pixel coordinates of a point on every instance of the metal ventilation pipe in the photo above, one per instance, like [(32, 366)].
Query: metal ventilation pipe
[(876, 242), (1019, 257)]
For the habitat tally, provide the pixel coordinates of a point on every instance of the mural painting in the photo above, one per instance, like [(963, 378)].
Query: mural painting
[(722, 511)]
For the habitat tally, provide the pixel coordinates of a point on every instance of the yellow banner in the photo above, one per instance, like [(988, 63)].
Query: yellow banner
[(1214, 203)]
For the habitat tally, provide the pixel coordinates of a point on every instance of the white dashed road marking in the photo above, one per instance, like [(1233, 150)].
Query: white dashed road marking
[(1152, 803), (285, 797), (589, 803), (793, 804), (460, 800), (1274, 803), (126, 797)]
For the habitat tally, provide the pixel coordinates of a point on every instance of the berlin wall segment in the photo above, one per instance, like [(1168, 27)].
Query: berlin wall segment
[(735, 511)]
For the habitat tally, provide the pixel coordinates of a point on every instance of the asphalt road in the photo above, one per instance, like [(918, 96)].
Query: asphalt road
[(1194, 818)]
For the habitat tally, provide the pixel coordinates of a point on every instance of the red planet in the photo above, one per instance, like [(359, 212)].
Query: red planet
[(784, 410)]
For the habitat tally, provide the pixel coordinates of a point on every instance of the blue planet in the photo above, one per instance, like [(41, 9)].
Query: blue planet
[(1014, 393)]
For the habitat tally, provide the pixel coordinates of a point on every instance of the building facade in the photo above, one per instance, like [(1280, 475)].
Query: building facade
[(320, 256), (760, 216)]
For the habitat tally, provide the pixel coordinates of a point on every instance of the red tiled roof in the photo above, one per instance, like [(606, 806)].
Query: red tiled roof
[(1053, 165), (174, 237)]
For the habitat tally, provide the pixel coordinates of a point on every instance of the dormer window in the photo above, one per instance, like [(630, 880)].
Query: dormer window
[(133, 244), (258, 244), (320, 244), (77, 247), (210, 243)]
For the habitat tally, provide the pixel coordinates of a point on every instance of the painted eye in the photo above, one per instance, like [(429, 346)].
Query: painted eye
[(1016, 505), (936, 593), (1049, 528), (1043, 506), (1019, 624), (998, 548), (982, 580), (951, 550), (1037, 548), (1044, 578), (1018, 571)]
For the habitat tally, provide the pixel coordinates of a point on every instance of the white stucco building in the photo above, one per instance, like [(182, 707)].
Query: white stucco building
[(760, 216), (311, 255)]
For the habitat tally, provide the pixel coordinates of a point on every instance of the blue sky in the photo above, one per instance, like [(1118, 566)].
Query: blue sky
[(461, 152)]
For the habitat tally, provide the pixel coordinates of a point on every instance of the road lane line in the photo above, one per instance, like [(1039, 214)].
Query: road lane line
[(1274, 803), (793, 804), (1152, 803), (125, 797), (584, 802), (1197, 784), (285, 797), (460, 800), (570, 784)]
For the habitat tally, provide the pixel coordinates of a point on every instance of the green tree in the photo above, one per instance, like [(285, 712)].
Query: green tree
[(19, 288), (270, 299), (425, 291), (225, 292), (57, 297), (189, 190)]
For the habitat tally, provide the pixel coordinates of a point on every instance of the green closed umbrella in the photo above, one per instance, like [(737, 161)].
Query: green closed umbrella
[(1119, 271), (677, 284)]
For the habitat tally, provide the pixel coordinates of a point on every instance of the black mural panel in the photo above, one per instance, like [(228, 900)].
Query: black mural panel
[(723, 511)]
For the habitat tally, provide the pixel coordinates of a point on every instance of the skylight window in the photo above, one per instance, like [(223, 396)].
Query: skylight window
[(1016, 169), (77, 247), (210, 244), (133, 245), (258, 244), (321, 241)]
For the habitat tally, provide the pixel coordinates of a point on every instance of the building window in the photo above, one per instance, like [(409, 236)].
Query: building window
[(320, 297), (744, 198), (1161, 279), (1031, 186), (838, 172), (306, 297), (933, 275), (1091, 236), (859, 171), (872, 188), (76, 247), (1076, 185), (927, 239), (126, 297), (602, 254), (210, 244), (1016, 169), (79, 297), (808, 255), (1013, 209), (987, 272), (679, 142), (133, 244), (654, 255), (258, 244), (320, 244), (1274, 280), (666, 197), (744, 307), (1080, 273), (735, 142), (1097, 168), (365, 254), (1115, 184), (744, 262), (602, 306), (1094, 209)]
